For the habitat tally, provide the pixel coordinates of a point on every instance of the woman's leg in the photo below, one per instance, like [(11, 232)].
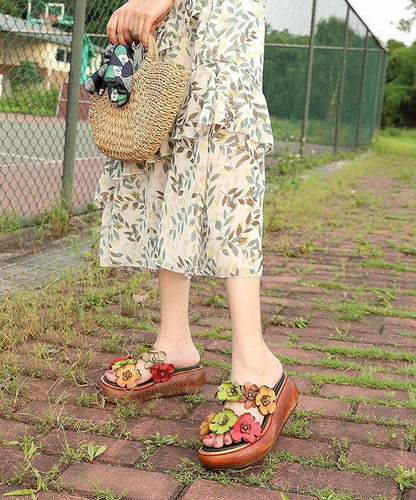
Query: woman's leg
[(174, 335), (252, 361)]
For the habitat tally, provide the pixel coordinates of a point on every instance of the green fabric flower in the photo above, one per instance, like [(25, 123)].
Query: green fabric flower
[(229, 391), (223, 421)]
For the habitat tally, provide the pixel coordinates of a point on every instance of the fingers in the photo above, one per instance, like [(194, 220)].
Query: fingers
[(125, 36), (112, 27), (145, 29)]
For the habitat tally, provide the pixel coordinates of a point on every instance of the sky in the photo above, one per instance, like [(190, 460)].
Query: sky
[(381, 16)]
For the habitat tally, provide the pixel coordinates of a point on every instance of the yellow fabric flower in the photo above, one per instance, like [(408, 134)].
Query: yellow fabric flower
[(266, 400), (204, 429), (128, 376)]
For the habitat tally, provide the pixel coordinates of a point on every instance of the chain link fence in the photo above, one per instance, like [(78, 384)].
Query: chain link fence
[(324, 75), (323, 80)]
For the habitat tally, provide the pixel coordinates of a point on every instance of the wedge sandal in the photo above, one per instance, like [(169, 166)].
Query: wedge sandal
[(122, 379), (248, 441)]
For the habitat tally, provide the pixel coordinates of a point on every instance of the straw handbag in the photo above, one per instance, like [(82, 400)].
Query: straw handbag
[(135, 131)]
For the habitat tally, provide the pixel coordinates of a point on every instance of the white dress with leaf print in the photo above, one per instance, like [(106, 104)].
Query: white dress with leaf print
[(195, 206)]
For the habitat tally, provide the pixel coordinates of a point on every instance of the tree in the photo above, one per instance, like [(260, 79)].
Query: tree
[(406, 24), (400, 93)]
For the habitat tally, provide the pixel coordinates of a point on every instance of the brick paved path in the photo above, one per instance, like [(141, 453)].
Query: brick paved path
[(345, 330)]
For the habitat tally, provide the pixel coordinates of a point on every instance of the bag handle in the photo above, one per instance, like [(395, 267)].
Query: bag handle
[(152, 49)]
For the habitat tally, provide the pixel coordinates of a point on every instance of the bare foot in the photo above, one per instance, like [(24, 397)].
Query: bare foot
[(269, 375), (177, 355)]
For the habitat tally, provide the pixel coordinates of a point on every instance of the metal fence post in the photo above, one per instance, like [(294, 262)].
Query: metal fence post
[(341, 83), (308, 79), (363, 74), (376, 92), (384, 88), (72, 103)]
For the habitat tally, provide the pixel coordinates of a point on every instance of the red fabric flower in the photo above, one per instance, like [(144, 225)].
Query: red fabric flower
[(118, 359), (246, 429), (162, 372)]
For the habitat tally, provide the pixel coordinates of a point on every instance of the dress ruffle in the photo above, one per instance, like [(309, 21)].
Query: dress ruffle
[(224, 88)]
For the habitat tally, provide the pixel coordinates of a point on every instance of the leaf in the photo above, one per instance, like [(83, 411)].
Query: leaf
[(20, 492)]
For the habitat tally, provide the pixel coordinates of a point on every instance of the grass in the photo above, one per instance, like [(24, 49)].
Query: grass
[(53, 333)]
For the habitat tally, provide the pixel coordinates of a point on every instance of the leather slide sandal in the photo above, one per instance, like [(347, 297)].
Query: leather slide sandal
[(247, 441), (121, 380)]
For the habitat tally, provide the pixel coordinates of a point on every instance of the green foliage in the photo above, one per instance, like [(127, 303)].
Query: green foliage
[(400, 93), (27, 73), (31, 101)]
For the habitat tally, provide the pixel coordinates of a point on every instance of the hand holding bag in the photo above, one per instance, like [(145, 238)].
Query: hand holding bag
[(133, 132)]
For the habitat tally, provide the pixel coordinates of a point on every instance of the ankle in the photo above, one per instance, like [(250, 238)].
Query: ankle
[(265, 369)]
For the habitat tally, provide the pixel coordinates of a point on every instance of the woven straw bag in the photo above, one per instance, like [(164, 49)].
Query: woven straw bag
[(135, 131)]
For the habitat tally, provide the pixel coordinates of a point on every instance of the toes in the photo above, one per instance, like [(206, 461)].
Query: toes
[(208, 440), (219, 441), (227, 438)]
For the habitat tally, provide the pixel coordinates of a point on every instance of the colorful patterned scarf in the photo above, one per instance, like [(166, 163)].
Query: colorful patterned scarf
[(116, 74)]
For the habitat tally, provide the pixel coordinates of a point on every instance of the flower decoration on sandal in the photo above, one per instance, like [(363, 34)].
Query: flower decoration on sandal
[(123, 372), (266, 400), (223, 421), (250, 392), (204, 427), (243, 428), (162, 372), (153, 357), (229, 391)]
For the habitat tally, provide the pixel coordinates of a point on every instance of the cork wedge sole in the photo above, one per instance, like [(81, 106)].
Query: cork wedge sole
[(241, 455), (182, 381)]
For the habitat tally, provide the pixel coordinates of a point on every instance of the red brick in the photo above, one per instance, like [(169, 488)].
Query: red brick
[(209, 391), (313, 370), (364, 392), (53, 495), (357, 432), (169, 457), (149, 426), (118, 452), (304, 385), (12, 430), (203, 488), (305, 448), (381, 456), (295, 352), (410, 494), (34, 410), (12, 461), (202, 410), (325, 406), (80, 478), (302, 477), (387, 412)]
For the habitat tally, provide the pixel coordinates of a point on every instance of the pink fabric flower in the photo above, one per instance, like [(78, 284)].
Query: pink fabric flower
[(246, 429)]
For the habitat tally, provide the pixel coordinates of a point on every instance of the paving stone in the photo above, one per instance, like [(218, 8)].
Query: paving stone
[(364, 392), (202, 488), (146, 427), (387, 412), (325, 406), (381, 457), (293, 476), (80, 478), (118, 452), (10, 430), (358, 432), (170, 458), (305, 448)]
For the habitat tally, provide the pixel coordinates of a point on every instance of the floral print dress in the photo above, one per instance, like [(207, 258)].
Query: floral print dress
[(196, 205)]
